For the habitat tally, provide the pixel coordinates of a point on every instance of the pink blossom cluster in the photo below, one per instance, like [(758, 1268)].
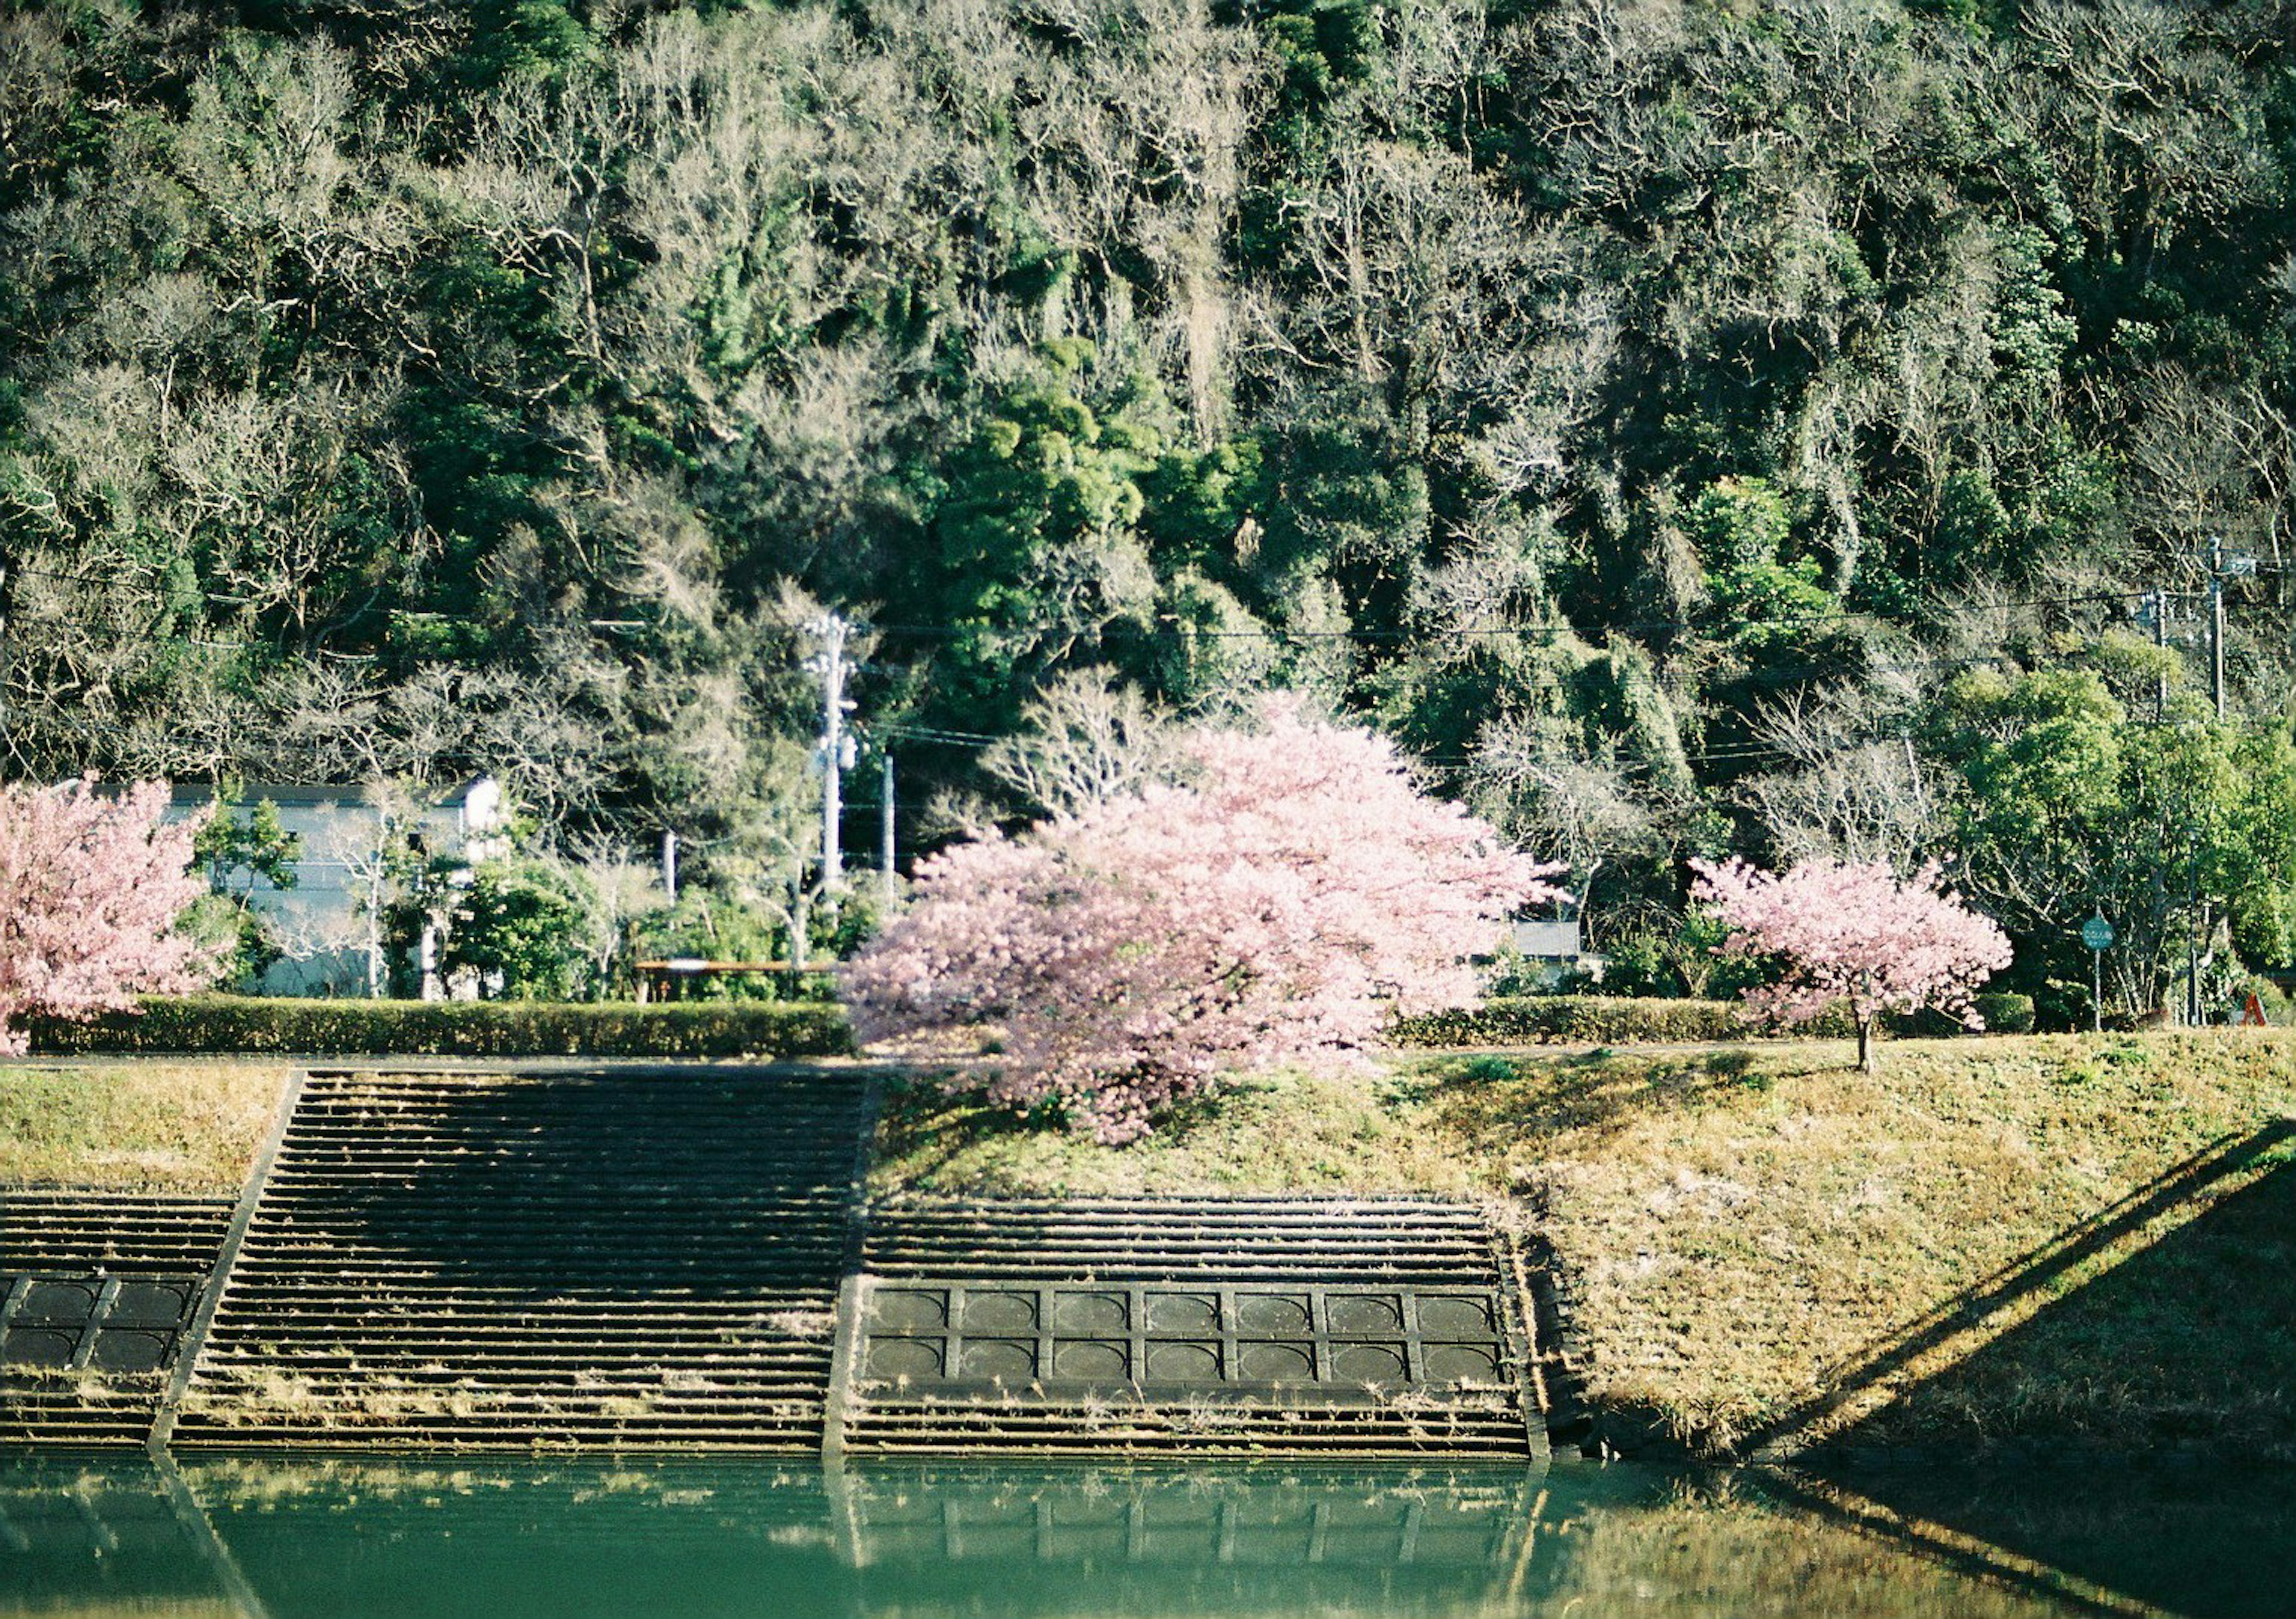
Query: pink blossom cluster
[(90, 891), (1281, 906), (1855, 933)]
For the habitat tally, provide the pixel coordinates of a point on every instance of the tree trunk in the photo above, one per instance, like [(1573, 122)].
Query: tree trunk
[(1865, 1045)]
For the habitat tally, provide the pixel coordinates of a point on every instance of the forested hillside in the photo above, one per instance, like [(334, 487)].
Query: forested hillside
[(1683, 426)]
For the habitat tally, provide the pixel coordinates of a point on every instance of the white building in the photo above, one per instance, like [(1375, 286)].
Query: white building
[(329, 922), (1555, 952)]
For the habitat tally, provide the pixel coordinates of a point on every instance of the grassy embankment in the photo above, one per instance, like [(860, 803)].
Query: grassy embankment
[(1762, 1245), (188, 1126)]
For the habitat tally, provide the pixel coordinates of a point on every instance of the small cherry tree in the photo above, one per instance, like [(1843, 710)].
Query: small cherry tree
[(1281, 904), (91, 889), (1854, 933)]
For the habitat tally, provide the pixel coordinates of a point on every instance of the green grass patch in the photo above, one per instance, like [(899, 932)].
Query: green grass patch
[(189, 1127)]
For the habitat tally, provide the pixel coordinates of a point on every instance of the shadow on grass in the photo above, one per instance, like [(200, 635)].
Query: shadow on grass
[(2180, 1356), (2220, 1285), (2209, 1546), (925, 1128), (1494, 1101)]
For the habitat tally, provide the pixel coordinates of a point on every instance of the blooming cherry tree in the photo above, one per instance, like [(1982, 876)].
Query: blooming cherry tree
[(1281, 905), (90, 891), (1855, 933)]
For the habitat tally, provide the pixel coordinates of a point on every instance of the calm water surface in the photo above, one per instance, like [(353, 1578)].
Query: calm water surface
[(345, 1540)]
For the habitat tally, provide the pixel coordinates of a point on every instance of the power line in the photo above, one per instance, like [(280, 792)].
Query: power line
[(1168, 624)]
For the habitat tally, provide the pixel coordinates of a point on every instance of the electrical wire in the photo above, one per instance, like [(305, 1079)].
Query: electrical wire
[(1168, 625)]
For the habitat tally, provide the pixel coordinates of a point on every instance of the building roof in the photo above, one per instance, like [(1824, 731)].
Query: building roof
[(315, 794)]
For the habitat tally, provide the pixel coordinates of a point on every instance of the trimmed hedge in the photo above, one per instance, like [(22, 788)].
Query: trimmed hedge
[(1600, 1020), (228, 1023), (2006, 1014)]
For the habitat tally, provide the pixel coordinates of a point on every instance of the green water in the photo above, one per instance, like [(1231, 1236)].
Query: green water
[(295, 1540)]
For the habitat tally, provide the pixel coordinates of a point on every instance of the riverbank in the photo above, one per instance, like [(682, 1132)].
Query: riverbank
[(1761, 1249), (2042, 1243)]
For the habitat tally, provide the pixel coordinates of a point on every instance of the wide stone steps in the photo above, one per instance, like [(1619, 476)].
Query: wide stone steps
[(472, 1262), (51, 1227), (84, 1352), (680, 1260), (1179, 1326), (1240, 1239)]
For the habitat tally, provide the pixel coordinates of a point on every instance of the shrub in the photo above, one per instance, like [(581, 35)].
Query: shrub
[(516, 925), (1597, 1020), (2006, 1014), (453, 1028)]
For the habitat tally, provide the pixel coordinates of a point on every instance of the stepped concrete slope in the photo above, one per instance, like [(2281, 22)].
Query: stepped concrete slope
[(1223, 1326), (680, 1258), (632, 1259), (96, 1288)]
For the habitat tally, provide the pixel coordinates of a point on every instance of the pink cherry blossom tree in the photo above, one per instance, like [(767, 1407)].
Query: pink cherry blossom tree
[(91, 889), (1281, 903), (1854, 933)]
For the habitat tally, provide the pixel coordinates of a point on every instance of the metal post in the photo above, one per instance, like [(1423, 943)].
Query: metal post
[(831, 665), (2159, 604), (2217, 622), (2096, 993), (2193, 936), (885, 828)]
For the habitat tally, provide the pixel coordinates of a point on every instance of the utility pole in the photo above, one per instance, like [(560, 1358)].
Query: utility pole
[(836, 747), (2215, 622), (885, 828), (2220, 569), (2156, 608), (7, 602)]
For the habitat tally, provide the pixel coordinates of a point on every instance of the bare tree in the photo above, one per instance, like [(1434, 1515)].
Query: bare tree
[(1084, 740)]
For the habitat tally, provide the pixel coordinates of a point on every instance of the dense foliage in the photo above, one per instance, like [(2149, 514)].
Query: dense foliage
[(1684, 428)]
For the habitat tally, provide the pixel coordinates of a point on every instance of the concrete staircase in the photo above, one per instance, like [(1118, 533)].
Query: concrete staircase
[(633, 1260), (681, 1259), (95, 1290), (1223, 1326)]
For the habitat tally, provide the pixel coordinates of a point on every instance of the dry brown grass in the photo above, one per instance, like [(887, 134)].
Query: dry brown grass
[(1744, 1226), (146, 1126)]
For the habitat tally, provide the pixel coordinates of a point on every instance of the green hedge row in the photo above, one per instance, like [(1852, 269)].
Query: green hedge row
[(1595, 1020), (1626, 1020), (222, 1024)]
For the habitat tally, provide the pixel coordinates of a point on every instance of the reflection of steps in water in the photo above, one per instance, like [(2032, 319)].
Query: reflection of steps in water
[(621, 1258), (1241, 1326), (81, 1535), (1463, 1519), (483, 1538), (347, 1540), (95, 1290)]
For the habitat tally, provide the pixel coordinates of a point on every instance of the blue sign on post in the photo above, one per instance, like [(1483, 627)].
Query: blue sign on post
[(2096, 933)]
